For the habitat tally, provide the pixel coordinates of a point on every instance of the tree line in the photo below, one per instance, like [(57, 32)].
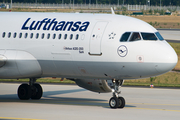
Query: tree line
[(130, 2)]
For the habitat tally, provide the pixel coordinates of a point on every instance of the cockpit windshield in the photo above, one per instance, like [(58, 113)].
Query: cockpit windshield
[(136, 36), (125, 36), (149, 36), (130, 36), (159, 36)]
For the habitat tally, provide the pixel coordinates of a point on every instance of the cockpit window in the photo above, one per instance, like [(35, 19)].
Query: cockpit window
[(149, 36), (125, 36), (159, 36), (135, 36)]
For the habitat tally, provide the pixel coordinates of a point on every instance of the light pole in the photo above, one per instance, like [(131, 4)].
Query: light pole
[(160, 4), (89, 3), (62, 3), (96, 3), (149, 2), (11, 4), (73, 4), (36, 3)]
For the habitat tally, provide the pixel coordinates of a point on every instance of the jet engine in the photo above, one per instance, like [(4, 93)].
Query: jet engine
[(94, 85), (18, 64)]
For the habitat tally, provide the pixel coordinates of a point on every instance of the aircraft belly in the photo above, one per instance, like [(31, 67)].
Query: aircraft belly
[(119, 70), (107, 70), (48, 68), (65, 68)]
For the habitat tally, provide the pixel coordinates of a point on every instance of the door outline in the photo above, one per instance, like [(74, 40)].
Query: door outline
[(96, 38)]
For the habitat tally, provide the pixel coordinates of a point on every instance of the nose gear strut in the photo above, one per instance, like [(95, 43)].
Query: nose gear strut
[(116, 101)]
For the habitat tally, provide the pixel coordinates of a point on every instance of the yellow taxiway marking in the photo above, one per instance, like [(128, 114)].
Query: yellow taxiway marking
[(153, 104), (12, 118), (154, 109)]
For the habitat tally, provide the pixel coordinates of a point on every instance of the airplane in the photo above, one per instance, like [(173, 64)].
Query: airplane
[(97, 51)]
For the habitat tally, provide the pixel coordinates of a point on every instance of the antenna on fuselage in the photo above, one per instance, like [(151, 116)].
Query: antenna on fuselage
[(112, 11)]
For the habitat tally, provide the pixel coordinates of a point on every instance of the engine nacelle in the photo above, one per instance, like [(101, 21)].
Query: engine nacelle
[(18, 64), (94, 85)]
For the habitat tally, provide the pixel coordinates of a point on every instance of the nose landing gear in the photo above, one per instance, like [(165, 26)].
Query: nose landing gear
[(116, 101), (33, 90)]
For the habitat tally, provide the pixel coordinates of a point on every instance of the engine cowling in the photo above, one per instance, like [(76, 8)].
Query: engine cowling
[(94, 85), (18, 64)]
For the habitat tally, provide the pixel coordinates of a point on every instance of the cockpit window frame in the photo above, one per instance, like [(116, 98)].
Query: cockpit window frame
[(132, 33), (127, 38), (130, 36), (145, 37), (156, 35), (159, 36)]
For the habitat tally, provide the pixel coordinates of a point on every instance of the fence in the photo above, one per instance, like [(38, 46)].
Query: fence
[(92, 6)]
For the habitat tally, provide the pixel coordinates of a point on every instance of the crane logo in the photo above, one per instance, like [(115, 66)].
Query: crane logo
[(122, 51)]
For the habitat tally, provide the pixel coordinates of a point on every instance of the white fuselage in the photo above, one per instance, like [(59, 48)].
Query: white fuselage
[(89, 47)]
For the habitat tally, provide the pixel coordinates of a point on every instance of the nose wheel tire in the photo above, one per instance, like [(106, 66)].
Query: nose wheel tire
[(121, 102), (24, 92), (114, 102)]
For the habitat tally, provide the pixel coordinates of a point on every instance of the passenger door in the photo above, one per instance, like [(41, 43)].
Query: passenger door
[(96, 37)]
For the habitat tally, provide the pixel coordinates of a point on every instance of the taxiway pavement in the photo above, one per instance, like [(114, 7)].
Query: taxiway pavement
[(170, 34), (70, 102)]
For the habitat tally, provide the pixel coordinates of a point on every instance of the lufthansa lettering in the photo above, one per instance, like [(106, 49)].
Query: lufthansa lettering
[(48, 24)]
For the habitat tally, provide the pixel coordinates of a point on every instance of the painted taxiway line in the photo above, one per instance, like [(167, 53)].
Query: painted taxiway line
[(153, 104), (154, 109)]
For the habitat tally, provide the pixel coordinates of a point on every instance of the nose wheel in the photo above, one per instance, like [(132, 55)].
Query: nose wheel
[(121, 102), (116, 101)]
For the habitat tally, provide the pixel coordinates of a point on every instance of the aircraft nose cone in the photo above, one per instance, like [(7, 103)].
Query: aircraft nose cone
[(168, 59)]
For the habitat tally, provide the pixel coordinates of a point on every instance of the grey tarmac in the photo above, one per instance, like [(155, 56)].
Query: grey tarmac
[(70, 102), (171, 35)]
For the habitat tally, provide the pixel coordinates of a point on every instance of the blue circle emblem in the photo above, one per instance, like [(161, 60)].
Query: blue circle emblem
[(122, 51)]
